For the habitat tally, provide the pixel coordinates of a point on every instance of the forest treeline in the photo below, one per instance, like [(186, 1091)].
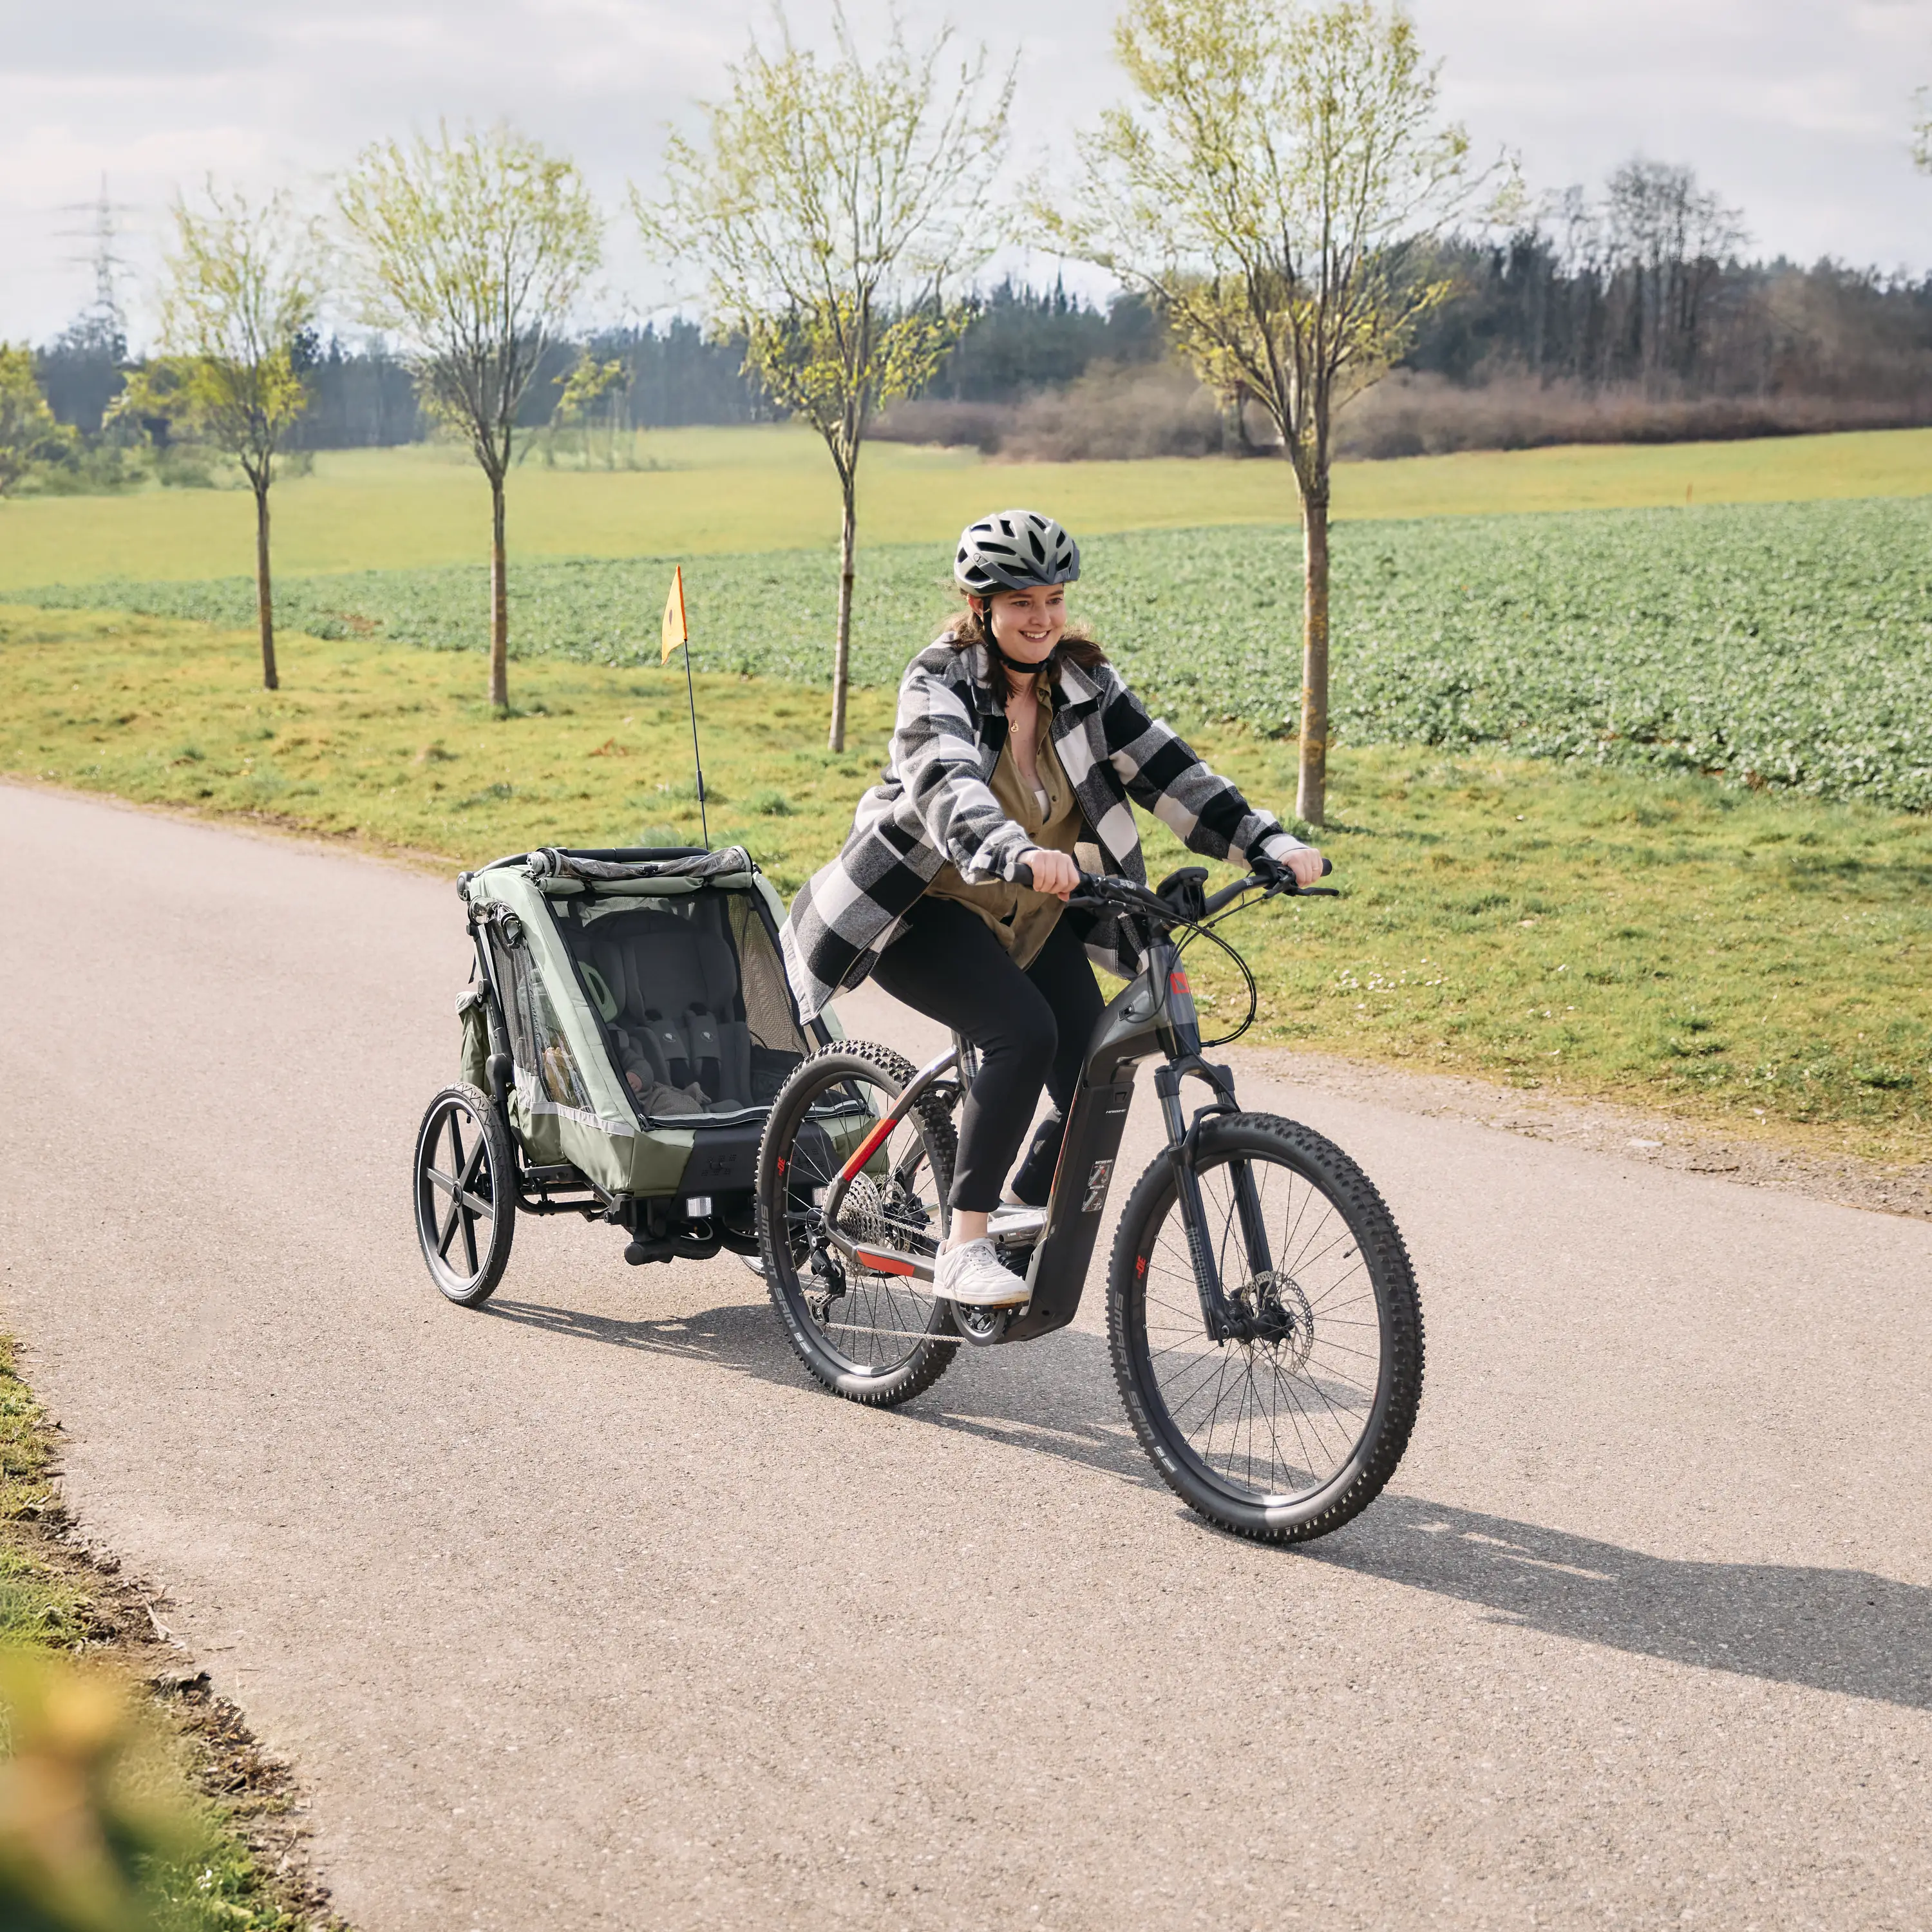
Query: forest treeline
[(1633, 315)]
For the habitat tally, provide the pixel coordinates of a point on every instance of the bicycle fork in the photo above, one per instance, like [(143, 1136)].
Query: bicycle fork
[(1225, 1320)]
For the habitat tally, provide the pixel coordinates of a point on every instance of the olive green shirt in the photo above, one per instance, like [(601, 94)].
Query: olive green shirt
[(1021, 919)]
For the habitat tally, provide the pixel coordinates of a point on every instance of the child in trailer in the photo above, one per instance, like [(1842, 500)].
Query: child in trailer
[(1018, 745)]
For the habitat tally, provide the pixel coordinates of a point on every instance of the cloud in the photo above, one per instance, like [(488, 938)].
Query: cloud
[(1798, 113)]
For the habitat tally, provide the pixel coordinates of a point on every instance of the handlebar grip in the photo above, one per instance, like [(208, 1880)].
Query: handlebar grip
[(1327, 866)]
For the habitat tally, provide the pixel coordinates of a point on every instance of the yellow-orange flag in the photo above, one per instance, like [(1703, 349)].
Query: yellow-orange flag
[(675, 631)]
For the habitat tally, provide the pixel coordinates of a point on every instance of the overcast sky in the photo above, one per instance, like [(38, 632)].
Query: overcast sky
[(1798, 111)]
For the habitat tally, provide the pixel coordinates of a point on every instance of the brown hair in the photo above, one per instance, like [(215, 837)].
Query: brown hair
[(1076, 644)]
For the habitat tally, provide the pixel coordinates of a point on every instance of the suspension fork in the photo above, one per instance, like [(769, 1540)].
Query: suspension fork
[(1219, 1318)]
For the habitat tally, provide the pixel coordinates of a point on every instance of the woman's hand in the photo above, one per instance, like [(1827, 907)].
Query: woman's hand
[(1055, 872), (1305, 865)]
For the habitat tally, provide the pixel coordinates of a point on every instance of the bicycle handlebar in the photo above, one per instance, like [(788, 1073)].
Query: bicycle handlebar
[(1096, 890)]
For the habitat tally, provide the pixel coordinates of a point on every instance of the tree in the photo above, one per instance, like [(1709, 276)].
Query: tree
[(1921, 135), (239, 291), (1272, 190), (472, 252), (835, 209), (28, 434)]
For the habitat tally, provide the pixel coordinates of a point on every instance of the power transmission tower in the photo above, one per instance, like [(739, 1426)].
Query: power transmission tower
[(103, 323)]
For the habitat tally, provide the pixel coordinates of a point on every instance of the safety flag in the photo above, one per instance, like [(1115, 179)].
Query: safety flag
[(676, 632)]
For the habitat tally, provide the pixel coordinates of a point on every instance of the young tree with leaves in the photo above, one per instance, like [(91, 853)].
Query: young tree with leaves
[(1271, 189), (835, 208), (28, 434), (471, 252), (239, 289)]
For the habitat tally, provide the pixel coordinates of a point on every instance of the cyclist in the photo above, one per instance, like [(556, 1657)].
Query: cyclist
[(1016, 743)]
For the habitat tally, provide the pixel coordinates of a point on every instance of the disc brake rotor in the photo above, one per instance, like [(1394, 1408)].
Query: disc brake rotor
[(1282, 1317)]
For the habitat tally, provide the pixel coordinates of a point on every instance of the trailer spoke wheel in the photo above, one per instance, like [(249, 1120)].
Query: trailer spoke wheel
[(465, 1201)]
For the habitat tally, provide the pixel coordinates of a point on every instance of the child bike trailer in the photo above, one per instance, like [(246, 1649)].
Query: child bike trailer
[(627, 1028)]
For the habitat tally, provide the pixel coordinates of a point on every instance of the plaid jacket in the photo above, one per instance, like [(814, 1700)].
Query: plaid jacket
[(934, 803)]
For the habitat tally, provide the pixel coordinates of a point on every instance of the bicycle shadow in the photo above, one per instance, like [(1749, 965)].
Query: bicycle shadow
[(1848, 1631), (1057, 1395)]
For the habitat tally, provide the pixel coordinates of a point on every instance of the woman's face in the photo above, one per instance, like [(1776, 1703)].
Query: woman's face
[(1027, 624)]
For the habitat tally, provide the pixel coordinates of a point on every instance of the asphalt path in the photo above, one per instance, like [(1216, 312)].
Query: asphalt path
[(590, 1610)]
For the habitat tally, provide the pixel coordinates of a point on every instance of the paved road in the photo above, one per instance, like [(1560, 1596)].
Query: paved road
[(588, 1611)]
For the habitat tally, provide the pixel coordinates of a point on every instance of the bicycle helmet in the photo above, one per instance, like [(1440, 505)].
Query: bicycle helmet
[(1014, 551)]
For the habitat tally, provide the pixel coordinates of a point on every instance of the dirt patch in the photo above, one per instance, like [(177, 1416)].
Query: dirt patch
[(1603, 1127), (124, 1625)]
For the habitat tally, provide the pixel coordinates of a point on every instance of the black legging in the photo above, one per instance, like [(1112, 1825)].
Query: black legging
[(948, 965)]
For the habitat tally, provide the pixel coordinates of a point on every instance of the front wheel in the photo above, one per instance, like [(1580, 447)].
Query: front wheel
[(1291, 1424)]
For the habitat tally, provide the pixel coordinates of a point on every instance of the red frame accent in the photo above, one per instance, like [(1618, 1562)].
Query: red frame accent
[(868, 1148)]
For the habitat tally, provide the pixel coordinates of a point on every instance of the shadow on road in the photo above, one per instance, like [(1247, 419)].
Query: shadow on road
[(1844, 1630), (1847, 1630)]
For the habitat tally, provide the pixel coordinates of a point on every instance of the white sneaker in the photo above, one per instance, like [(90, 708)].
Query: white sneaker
[(973, 1273)]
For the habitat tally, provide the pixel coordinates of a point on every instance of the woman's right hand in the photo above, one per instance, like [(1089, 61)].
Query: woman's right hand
[(1053, 872)]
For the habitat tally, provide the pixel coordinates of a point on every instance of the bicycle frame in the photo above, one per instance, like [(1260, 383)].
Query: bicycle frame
[(1154, 1014)]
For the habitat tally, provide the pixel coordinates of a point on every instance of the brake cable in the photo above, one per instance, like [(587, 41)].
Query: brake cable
[(1207, 931)]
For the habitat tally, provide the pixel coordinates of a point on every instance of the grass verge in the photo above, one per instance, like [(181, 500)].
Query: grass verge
[(233, 1862), (1755, 957)]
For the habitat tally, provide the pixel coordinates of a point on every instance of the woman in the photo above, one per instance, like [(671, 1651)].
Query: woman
[(1016, 742)]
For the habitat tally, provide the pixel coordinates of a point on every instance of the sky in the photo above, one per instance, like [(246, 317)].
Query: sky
[(1797, 112)]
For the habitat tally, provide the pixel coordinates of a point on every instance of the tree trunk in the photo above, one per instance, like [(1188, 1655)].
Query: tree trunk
[(1311, 796), (841, 655), (264, 601), (500, 604)]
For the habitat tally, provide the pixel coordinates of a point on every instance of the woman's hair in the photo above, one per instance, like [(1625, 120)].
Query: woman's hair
[(969, 627)]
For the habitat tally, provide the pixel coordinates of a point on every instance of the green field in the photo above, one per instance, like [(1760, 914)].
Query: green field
[(1772, 644), (725, 490), (1757, 956)]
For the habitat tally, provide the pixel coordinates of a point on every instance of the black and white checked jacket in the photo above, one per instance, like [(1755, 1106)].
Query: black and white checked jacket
[(934, 803)]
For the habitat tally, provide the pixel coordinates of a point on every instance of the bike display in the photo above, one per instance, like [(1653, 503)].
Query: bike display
[(1262, 1315)]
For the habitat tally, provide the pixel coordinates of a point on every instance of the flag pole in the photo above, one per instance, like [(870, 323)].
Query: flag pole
[(697, 764), (676, 636)]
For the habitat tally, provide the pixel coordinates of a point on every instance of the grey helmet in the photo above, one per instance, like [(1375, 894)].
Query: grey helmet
[(1014, 551)]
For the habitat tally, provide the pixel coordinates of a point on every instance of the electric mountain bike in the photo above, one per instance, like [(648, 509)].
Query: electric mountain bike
[(1262, 1313)]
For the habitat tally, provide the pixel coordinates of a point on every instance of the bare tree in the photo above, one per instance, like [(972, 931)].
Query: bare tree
[(239, 288), (834, 208), (471, 254), (1668, 239), (1921, 135), (1271, 189)]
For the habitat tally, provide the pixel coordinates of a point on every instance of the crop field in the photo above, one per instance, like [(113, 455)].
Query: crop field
[(1779, 645), (1761, 956), (704, 492)]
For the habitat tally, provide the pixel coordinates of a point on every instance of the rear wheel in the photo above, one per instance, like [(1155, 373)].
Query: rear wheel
[(1292, 1424), (870, 1336), (466, 1195)]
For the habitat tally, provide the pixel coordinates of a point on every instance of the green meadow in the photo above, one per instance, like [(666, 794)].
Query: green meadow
[(710, 492)]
